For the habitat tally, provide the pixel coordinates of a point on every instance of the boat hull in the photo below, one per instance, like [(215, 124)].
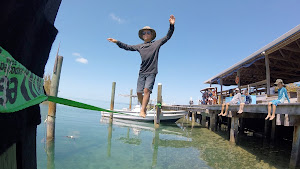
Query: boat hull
[(129, 115)]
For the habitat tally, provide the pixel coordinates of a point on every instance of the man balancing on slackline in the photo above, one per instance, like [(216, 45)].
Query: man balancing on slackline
[(149, 54)]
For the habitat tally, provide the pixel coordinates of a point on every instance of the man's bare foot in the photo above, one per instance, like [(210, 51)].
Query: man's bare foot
[(225, 114), (272, 117), (143, 114), (220, 114), (240, 111), (267, 117)]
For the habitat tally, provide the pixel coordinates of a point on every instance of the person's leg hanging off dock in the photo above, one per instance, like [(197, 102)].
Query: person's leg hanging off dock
[(269, 111)]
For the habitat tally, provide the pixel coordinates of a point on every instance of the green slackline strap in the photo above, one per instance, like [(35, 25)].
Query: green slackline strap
[(20, 88), (159, 105), (72, 103)]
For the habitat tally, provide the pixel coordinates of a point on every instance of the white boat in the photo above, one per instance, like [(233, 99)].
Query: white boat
[(134, 114)]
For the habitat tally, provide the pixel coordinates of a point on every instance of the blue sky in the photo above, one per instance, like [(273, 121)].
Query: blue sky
[(209, 37)]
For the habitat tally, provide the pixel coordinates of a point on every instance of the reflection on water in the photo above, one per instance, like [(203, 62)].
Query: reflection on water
[(99, 143)]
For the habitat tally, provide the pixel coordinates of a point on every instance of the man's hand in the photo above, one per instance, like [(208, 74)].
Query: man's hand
[(172, 20), (112, 40)]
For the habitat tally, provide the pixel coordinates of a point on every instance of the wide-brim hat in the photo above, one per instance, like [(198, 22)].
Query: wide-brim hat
[(147, 28), (279, 81), (237, 89)]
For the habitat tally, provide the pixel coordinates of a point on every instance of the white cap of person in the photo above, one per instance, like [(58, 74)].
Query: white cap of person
[(237, 89), (279, 81)]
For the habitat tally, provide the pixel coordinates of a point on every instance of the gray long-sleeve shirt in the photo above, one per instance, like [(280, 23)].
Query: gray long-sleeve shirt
[(149, 52)]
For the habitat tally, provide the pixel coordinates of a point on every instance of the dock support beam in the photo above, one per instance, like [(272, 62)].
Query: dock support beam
[(158, 107), (213, 120), (53, 92), (273, 131), (193, 116), (295, 154), (234, 129)]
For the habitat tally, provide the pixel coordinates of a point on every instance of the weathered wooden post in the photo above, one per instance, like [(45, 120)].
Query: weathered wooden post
[(158, 107), (295, 154), (112, 100), (53, 92), (109, 138), (221, 94), (50, 154), (193, 116), (130, 100), (268, 77), (273, 131), (213, 120), (234, 129)]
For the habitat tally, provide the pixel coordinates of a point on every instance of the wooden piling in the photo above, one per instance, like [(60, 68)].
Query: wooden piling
[(273, 131), (158, 108), (109, 138), (193, 117), (50, 154), (295, 154), (53, 92), (213, 121), (130, 100), (266, 129), (234, 129), (112, 100)]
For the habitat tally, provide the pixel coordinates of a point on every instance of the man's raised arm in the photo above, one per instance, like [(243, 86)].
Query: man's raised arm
[(170, 32), (123, 45)]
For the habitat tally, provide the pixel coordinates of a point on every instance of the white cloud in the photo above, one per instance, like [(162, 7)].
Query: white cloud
[(82, 60), (76, 54), (116, 18), (79, 58)]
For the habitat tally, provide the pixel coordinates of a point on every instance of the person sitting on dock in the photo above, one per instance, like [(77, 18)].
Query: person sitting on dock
[(149, 54), (236, 98), (248, 100), (282, 96)]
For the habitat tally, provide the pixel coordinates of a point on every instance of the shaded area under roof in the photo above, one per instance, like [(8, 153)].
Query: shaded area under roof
[(284, 57)]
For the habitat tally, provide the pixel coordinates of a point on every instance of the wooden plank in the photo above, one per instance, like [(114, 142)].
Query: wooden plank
[(291, 49), (295, 154), (298, 44), (284, 43)]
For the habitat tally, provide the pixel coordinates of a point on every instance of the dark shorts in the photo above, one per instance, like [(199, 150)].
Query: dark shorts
[(145, 81)]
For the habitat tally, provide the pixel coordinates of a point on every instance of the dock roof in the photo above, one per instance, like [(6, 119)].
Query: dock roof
[(284, 59)]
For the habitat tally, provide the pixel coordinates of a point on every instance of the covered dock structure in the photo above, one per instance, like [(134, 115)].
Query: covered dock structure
[(277, 60)]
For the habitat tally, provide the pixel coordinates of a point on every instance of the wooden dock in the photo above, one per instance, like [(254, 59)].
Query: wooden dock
[(286, 115)]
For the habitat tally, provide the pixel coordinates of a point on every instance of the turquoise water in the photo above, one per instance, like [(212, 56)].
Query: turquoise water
[(96, 143)]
